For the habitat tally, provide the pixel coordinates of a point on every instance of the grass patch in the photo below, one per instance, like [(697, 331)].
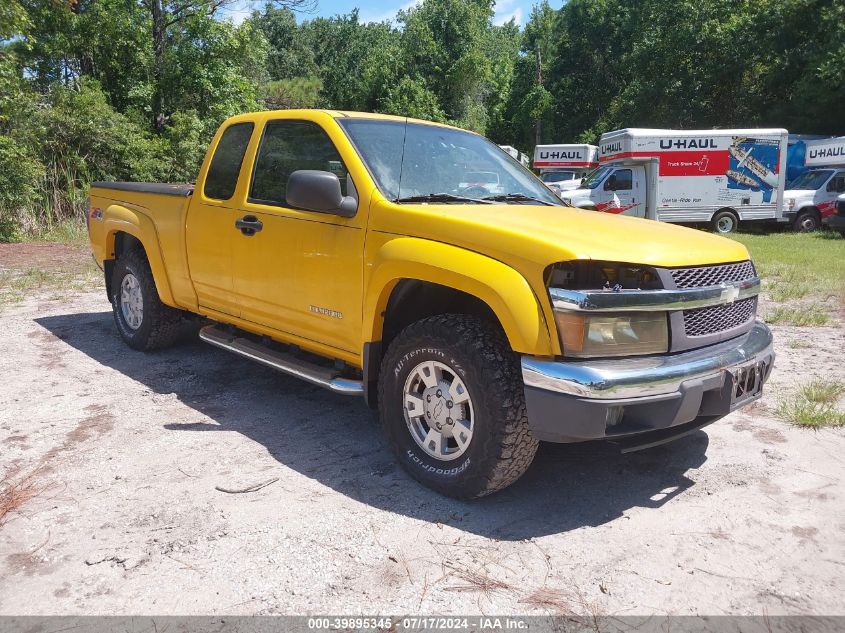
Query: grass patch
[(798, 344), (69, 231), (780, 292), (797, 265), (812, 315), (15, 284), (822, 391), (814, 406)]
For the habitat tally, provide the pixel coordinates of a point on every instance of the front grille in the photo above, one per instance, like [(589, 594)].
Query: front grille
[(712, 275), (715, 319)]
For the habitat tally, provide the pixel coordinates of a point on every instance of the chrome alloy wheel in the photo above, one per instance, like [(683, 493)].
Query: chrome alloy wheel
[(131, 301), (438, 410)]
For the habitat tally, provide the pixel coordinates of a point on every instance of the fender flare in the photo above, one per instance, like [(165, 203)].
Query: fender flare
[(503, 289), (122, 219)]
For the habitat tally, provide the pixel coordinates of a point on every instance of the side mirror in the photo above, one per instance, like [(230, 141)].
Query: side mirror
[(319, 191), (610, 183)]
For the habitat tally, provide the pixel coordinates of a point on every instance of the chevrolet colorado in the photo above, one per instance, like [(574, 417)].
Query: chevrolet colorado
[(358, 252)]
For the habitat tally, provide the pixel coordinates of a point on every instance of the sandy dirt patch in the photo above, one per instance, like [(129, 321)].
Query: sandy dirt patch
[(745, 517)]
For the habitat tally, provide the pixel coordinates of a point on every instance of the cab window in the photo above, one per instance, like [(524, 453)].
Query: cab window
[(222, 176), (837, 183), (624, 180), (286, 147)]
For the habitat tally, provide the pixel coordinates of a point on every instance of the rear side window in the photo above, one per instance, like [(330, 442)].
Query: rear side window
[(837, 183), (286, 147), (226, 163)]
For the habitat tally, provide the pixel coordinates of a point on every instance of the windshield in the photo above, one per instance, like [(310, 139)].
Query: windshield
[(412, 160), (814, 179), (557, 176), (594, 179)]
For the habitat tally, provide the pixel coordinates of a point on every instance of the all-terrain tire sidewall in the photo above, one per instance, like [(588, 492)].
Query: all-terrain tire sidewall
[(434, 472), (492, 389), (160, 324)]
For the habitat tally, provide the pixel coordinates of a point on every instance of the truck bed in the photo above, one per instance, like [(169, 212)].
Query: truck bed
[(161, 209), (161, 188)]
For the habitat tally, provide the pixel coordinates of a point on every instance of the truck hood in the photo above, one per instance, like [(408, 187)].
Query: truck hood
[(577, 192), (569, 185), (799, 193), (522, 235)]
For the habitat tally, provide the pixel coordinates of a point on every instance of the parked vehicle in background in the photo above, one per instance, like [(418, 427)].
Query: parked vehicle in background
[(563, 166), (479, 183), (515, 153), (837, 220), (796, 154), (811, 198), (340, 248), (717, 176)]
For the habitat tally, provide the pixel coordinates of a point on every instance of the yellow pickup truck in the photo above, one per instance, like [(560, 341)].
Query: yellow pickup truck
[(362, 253)]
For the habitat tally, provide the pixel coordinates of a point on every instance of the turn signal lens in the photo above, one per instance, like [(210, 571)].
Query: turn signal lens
[(587, 335)]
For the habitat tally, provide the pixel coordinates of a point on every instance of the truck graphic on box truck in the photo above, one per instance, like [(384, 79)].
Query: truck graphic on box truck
[(721, 177)]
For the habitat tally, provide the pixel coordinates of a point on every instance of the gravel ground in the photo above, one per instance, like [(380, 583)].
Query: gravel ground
[(126, 451)]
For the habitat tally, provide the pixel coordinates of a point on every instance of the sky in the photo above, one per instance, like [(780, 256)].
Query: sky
[(380, 10)]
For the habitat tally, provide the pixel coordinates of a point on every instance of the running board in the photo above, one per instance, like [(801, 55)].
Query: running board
[(287, 363)]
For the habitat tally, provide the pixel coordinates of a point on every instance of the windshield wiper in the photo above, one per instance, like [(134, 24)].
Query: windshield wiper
[(441, 197), (516, 197)]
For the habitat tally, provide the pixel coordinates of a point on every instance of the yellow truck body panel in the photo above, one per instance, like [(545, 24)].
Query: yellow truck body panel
[(323, 281)]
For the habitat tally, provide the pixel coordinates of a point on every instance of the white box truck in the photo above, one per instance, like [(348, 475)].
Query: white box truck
[(811, 198), (721, 177), (563, 166), (516, 154)]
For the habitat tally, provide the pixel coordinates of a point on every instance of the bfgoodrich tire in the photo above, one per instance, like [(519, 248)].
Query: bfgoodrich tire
[(144, 322), (452, 405)]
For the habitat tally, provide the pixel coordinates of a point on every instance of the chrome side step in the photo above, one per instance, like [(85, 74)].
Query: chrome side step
[(287, 363)]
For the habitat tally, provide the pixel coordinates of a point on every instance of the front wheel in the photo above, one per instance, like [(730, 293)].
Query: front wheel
[(806, 222), (144, 322), (452, 405)]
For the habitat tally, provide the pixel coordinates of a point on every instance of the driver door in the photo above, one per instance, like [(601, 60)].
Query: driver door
[(301, 272), (627, 194)]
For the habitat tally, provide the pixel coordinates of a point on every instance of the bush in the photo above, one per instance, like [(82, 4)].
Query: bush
[(21, 177)]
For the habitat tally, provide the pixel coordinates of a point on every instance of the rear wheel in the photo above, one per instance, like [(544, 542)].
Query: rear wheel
[(806, 222), (144, 322), (452, 405), (724, 222)]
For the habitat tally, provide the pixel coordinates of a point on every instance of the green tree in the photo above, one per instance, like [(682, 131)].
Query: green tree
[(444, 41)]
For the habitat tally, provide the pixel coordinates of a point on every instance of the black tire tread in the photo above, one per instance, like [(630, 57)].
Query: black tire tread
[(167, 324), (511, 447)]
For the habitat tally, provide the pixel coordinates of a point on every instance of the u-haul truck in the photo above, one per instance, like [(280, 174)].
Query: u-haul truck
[(516, 154), (562, 167), (691, 176), (811, 198)]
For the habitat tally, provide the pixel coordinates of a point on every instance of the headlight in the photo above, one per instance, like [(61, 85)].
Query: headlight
[(790, 202), (585, 335)]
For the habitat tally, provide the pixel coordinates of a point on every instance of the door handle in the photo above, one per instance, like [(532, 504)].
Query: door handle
[(249, 225)]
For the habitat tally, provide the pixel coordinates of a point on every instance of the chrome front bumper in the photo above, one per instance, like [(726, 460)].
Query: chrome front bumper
[(645, 376), (582, 400)]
